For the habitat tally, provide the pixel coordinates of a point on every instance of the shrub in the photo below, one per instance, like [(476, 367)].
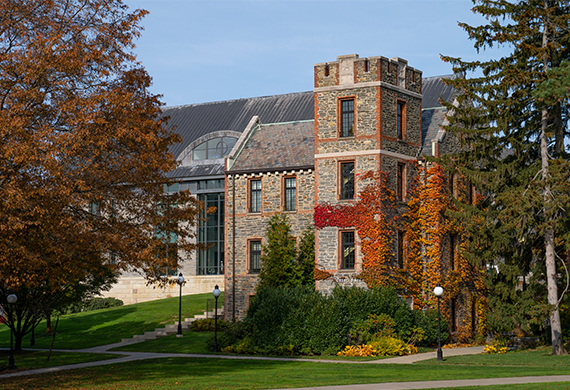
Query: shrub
[(427, 321), (101, 303), (358, 350), (207, 325), (374, 327), (390, 346), (299, 319), (497, 347)]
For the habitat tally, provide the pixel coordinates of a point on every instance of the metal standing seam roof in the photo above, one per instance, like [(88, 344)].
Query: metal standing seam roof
[(433, 113), (433, 88), (196, 120)]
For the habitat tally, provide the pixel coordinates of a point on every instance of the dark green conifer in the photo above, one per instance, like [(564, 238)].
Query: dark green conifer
[(511, 118)]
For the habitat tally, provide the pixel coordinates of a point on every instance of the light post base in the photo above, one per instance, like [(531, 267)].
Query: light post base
[(11, 363), (439, 354)]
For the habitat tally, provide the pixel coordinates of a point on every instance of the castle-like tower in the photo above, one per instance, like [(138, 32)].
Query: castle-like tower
[(367, 118)]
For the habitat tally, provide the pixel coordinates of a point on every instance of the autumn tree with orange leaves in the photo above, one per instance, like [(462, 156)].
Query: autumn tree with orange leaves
[(83, 157)]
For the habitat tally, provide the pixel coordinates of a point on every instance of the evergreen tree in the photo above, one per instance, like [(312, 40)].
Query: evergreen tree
[(281, 265), (306, 258), (512, 124)]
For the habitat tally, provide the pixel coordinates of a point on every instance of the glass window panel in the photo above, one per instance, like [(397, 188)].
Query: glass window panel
[(213, 184), (347, 118), (290, 193), (348, 252), (199, 154), (255, 196), (255, 256), (347, 180), (212, 234)]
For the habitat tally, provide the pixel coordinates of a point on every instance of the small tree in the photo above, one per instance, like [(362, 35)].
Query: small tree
[(281, 265)]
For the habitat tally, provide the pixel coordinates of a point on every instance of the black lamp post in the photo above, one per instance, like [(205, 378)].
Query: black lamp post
[(12, 298), (438, 291), (216, 293), (180, 281)]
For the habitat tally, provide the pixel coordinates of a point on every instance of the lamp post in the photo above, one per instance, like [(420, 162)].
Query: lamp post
[(12, 298), (438, 291), (216, 293), (180, 281)]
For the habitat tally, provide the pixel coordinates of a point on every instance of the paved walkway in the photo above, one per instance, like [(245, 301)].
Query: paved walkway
[(132, 356)]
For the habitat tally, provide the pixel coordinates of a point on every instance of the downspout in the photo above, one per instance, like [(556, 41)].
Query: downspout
[(233, 247)]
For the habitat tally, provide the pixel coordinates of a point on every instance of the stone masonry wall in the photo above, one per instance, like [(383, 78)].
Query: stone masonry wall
[(250, 226), (374, 146)]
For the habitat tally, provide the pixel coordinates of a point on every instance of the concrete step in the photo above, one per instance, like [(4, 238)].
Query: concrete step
[(171, 329)]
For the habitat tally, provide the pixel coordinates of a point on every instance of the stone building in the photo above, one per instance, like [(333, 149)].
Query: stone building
[(370, 114), (209, 132), (252, 158)]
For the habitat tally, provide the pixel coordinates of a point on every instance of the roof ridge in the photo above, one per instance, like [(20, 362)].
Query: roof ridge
[(235, 100)]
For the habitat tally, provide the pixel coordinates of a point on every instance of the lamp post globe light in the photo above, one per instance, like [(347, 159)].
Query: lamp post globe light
[(438, 291), (216, 294), (12, 298), (180, 281)]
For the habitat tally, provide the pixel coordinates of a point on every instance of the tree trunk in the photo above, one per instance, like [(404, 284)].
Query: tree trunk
[(551, 285), (48, 324), (18, 337)]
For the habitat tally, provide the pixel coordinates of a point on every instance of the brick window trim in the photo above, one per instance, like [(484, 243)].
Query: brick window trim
[(284, 193), (248, 253), (339, 101), (340, 250), (249, 180), (339, 164), (404, 120)]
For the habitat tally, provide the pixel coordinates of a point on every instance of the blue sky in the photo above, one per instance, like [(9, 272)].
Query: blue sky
[(200, 51)]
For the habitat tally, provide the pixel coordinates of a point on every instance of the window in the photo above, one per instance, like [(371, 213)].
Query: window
[(255, 196), (347, 248), (452, 251), (347, 180), (254, 257), (400, 182), (168, 249), (214, 148), (400, 249), (453, 310), (366, 65), (290, 194), (211, 235), (347, 118), (452, 189), (401, 119)]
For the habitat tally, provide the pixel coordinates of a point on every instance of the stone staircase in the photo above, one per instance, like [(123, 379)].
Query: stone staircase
[(170, 329)]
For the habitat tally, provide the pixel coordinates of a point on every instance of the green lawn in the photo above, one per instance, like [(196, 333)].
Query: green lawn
[(27, 360), (106, 326), (212, 373), (192, 342)]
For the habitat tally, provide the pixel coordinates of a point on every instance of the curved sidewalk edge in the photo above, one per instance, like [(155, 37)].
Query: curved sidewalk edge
[(444, 384)]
